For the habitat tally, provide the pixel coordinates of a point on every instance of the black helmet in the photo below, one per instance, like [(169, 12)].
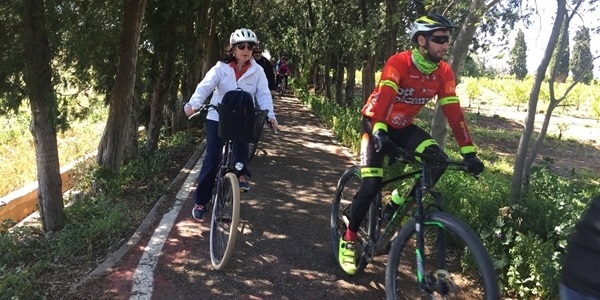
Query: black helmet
[(428, 24)]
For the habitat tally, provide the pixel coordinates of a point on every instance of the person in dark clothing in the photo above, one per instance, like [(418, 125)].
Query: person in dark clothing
[(267, 66), (580, 279)]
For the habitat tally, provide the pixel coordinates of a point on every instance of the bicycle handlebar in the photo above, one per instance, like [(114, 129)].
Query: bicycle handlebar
[(206, 107), (433, 161), (202, 108)]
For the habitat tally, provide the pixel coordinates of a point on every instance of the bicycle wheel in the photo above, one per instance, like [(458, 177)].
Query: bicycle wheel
[(455, 263), (347, 187), (224, 221)]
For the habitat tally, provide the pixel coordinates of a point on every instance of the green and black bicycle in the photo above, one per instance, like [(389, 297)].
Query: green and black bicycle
[(440, 253)]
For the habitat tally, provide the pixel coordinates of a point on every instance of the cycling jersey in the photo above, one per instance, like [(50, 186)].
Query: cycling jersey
[(284, 70), (403, 91)]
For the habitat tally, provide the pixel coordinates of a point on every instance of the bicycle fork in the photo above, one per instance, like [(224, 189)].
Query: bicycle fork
[(427, 283)]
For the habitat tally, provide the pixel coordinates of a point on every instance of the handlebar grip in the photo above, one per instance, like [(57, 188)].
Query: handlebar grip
[(203, 107), (194, 114)]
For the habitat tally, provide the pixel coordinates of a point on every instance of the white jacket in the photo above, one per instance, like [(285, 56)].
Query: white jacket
[(221, 79)]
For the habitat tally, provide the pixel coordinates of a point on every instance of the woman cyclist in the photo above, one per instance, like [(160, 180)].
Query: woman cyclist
[(235, 70)]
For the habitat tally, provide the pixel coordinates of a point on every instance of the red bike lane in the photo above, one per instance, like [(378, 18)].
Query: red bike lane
[(283, 249)]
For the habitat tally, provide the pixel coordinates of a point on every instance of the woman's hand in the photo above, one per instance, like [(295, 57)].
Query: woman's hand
[(188, 109), (274, 124)]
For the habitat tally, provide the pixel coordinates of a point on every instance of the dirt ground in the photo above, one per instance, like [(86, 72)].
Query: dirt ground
[(576, 148)]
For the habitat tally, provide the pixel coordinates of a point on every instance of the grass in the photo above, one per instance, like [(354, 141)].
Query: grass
[(17, 151)]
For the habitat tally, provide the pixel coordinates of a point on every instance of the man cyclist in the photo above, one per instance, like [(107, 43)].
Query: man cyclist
[(409, 80)]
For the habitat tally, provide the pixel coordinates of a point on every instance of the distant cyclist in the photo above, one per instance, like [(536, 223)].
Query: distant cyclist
[(283, 71), (266, 65), (409, 80)]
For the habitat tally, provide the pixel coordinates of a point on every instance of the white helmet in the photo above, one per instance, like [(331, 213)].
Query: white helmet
[(243, 35)]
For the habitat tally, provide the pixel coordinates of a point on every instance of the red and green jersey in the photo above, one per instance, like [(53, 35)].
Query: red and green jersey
[(403, 91)]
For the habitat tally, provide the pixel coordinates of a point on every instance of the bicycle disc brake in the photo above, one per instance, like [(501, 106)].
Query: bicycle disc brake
[(442, 283)]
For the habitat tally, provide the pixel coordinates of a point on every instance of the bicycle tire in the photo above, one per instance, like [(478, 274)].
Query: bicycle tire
[(224, 221), (347, 186), (396, 270)]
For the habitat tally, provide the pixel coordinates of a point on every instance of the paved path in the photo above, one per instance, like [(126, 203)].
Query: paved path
[(284, 249)]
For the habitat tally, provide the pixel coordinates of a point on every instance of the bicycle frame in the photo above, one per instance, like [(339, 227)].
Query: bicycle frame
[(424, 185), (225, 166)]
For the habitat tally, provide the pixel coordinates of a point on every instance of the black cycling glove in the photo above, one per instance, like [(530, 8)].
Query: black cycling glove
[(381, 142), (474, 165)]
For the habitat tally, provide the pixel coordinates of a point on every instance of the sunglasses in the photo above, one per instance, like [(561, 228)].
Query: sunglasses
[(440, 39), (257, 52), (243, 46)]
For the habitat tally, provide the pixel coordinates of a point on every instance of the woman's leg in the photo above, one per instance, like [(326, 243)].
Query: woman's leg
[(210, 164)]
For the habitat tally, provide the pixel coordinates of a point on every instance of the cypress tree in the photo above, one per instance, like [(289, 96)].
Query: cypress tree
[(518, 57), (562, 68), (581, 65)]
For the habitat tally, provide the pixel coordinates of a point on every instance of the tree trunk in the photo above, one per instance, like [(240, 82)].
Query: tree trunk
[(111, 151), (537, 144), (368, 76), (460, 48), (158, 99), (43, 115), (391, 24), (522, 151), (339, 80), (554, 102), (326, 77), (162, 88), (350, 80)]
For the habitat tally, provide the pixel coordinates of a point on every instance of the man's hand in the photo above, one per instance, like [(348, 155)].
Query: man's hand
[(381, 142), (474, 165), (380, 137)]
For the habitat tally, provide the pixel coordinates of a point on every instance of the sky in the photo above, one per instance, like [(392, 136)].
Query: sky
[(538, 33), (537, 36)]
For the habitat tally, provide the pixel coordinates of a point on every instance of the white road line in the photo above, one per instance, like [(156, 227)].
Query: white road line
[(143, 278)]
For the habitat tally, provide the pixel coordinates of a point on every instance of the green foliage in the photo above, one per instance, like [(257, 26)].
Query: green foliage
[(518, 57), (560, 61), (472, 90), (471, 68), (582, 62)]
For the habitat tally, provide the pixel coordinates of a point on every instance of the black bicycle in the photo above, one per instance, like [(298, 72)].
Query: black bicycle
[(437, 250), (224, 204), (283, 88)]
